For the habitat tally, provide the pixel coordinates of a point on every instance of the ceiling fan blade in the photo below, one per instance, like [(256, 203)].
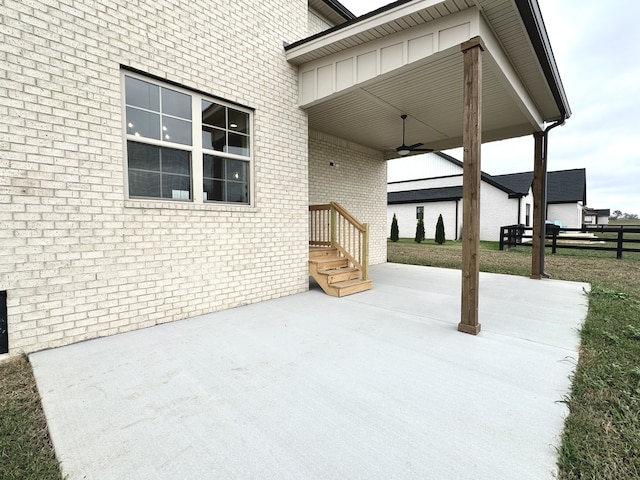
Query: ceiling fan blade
[(422, 149), (405, 149)]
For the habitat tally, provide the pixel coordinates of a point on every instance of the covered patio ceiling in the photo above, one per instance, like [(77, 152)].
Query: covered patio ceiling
[(359, 77)]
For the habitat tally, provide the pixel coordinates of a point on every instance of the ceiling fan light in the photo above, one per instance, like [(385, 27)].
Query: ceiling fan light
[(403, 152)]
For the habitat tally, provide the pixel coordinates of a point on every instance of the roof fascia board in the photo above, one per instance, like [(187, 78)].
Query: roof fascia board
[(534, 23), (372, 20), (397, 182), (340, 9)]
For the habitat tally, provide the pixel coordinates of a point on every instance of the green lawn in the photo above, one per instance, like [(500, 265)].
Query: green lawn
[(25, 448), (601, 440)]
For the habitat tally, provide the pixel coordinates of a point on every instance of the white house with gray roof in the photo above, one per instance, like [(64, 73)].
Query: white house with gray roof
[(505, 199)]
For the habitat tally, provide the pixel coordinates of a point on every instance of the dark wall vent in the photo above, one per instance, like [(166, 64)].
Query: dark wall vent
[(4, 327)]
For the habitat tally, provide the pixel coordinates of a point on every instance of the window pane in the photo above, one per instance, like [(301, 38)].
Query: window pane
[(238, 121), (214, 114), (176, 104), (237, 192), (236, 170), (213, 190), (212, 167), (142, 94), (176, 187), (143, 157), (144, 184), (143, 124), (218, 140), (213, 139), (207, 166), (238, 144), (176, 161), (176, 131)]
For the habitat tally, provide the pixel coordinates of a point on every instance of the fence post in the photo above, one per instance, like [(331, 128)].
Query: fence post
[(620, 238), (501, 238), (554, 240)]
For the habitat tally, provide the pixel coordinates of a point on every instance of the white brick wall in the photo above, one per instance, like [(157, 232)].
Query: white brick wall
[(77, 259), (357, 180)]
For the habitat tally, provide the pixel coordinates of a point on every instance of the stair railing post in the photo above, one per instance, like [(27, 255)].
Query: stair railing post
[(333, 226), (365, 252)]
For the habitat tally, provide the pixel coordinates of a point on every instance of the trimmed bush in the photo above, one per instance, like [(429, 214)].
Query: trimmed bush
[(419, 231), (440, 231), (395, 233)]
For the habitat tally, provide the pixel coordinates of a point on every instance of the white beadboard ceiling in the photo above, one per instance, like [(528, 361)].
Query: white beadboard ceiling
[(430, 91)]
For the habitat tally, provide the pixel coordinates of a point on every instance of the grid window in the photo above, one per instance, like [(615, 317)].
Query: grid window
[(225, 180), (159, 172), (162, 155), (419, 213)]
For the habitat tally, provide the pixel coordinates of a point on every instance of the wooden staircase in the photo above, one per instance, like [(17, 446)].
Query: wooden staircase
[(334, 273)]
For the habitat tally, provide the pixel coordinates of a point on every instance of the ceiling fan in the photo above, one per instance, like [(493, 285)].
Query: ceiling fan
[(407, 149)]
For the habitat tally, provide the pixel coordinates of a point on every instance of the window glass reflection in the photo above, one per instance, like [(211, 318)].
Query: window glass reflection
[(176, 103), (142, 94)]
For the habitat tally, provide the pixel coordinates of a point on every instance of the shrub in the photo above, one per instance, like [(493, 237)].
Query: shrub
[(419, 231), (395, 233), (440, 231)]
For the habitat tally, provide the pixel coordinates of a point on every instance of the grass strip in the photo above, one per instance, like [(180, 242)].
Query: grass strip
[(26, 451)]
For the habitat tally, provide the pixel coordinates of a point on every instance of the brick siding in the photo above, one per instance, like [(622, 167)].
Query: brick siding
[(78, 259)]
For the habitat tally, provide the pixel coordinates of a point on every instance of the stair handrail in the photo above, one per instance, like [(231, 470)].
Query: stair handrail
[(332, 225)]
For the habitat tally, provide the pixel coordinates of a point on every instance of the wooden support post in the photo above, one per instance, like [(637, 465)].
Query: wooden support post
[(472, 142), (539, 217)]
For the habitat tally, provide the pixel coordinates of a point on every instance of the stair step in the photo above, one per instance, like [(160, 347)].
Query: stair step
[(320, 252), (349, 287), (333, 273), (341, 274), (329, 263)]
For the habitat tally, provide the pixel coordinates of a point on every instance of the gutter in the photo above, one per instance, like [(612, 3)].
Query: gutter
[(340, 9), (532, 18)]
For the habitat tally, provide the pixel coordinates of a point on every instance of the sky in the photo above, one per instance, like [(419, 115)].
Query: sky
[(594, 44)]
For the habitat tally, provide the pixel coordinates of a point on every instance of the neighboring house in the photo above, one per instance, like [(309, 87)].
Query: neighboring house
[(159, 156), (504, 199), (596, 216), (441, 194)]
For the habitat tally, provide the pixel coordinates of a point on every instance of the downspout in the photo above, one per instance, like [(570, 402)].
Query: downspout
[(543, 203), (519, 210)]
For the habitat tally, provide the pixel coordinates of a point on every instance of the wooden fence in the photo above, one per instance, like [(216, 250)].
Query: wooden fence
[(617, 239)]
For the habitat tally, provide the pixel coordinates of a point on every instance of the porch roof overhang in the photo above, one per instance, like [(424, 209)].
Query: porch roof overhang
[(357, 78)]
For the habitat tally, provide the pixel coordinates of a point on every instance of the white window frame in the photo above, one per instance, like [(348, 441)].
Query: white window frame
[(196, 148)]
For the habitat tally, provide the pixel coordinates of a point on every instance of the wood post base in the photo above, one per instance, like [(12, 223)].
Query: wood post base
[(471, 329)]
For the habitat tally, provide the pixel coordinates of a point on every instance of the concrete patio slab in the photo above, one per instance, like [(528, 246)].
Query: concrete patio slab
[(378, 385)]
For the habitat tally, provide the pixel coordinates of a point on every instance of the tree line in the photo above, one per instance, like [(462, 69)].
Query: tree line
[(618, 215)]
